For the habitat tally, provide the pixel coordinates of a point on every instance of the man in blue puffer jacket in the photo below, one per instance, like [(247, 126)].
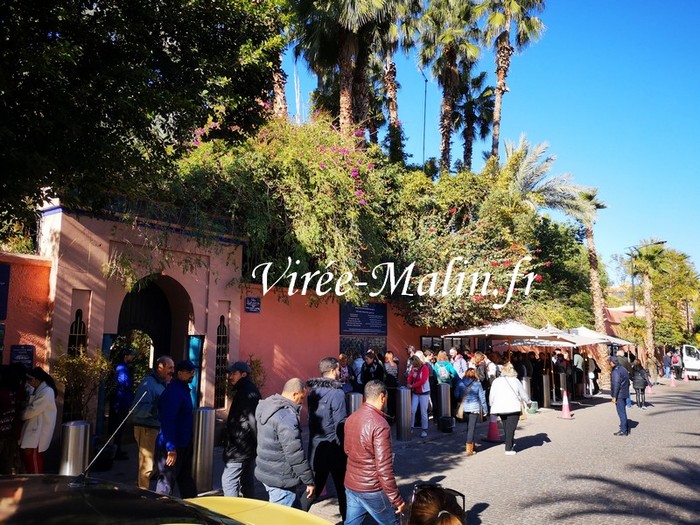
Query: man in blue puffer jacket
[(281, 463), (175, 441), (620, 392)]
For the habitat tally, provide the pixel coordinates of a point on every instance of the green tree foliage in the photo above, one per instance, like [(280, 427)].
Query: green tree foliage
[(100, 97), (302, 192)]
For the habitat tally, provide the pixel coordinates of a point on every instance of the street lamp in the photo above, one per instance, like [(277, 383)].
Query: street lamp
[(425, 105)]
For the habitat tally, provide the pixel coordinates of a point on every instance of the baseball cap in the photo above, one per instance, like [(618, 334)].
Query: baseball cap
[(185, 364), (240, 366)]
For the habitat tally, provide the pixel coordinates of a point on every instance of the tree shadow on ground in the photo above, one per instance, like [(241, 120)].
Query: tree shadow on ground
[(636, 497)]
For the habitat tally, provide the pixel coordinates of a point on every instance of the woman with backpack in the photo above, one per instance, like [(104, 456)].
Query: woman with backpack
[(472, 402)]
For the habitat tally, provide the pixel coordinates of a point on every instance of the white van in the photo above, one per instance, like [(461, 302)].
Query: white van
[(691, 361)]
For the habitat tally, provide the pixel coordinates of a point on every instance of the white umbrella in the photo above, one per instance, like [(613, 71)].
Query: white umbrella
[(587, 332), (575, 339), (507, 329)]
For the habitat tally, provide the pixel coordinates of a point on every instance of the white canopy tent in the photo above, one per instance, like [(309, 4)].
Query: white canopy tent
[(587, 332)]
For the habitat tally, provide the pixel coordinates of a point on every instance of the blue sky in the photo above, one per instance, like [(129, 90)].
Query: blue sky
[(613, 88)]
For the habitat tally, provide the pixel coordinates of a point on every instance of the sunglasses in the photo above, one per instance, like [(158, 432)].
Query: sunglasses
[(420, 487)]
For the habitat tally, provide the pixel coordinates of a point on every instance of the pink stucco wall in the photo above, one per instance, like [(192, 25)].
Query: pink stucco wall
[(290, 337), (28, 308)]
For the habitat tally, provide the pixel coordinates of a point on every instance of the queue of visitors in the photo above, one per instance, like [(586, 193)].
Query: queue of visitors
[(263, 437)]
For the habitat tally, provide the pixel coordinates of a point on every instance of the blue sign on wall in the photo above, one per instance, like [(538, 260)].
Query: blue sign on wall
[(369, 319), (252, 305), (23, 354), (4, 289)]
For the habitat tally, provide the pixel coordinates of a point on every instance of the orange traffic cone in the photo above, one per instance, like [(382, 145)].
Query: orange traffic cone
[(565, 410), (673, 380), (493, 435), (685, 377)]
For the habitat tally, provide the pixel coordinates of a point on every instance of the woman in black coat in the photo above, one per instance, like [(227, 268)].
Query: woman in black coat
[(639, 382)]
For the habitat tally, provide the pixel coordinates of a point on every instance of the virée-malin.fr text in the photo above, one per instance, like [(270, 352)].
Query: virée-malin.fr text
[(432, 284)]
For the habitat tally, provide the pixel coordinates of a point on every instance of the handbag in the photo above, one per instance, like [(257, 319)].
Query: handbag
[(460, 408), (523, 408)]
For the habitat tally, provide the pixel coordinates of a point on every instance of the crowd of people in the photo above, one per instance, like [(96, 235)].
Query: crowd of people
[(263, 438)]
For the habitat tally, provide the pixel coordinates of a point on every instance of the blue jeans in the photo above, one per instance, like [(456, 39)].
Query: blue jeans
[(280, 496), (376, 504), (238, 478), (667, 372), (620, 404)]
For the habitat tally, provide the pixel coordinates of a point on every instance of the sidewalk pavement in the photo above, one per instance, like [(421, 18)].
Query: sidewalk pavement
[(569, 471)]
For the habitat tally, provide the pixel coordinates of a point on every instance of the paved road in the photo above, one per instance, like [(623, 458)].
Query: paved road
[(566, 471)]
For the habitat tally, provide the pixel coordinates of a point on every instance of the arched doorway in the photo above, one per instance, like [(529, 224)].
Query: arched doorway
[(160, 307)]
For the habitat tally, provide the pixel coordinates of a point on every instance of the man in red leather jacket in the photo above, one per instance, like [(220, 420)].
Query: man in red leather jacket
[(370, 484)]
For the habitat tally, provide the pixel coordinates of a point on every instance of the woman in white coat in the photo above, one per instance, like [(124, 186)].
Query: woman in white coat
[(506, 396), (39, 420)]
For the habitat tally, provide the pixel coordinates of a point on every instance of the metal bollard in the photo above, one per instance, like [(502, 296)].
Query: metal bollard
[(444, 400), (203, 448), (75, 448), (353, 401), (546, 399), (564, 386), (403, 413)]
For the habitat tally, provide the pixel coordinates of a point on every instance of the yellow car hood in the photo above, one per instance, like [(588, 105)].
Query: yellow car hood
[(257, 512)]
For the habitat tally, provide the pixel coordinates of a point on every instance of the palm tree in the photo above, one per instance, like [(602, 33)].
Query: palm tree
[(448, 36), (397, 32), (502, 16), (531, 184), (587, 213), (336, 33), (474, 112), (647, 259)]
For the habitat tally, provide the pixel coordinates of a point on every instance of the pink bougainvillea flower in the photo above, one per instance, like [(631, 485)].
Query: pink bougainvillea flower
[(453, 210), (548, 263), (362, 201), (370, 166), (196, 142), (431, 230), (495, 263), (321, 164), (506, 263), (359, 132), (538, 250), (359, 193), (538, 277)]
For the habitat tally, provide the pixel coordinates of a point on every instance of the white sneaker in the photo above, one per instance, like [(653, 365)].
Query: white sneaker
[(644, 408), (424, 434), (511, 452)]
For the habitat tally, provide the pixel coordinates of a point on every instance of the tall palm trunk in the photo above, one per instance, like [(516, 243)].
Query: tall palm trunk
[(503, 53), (391, 90), (348, 49), (468, 136), (601, 351), (449, 81), (279, 101), (648, 314), (360, 83)]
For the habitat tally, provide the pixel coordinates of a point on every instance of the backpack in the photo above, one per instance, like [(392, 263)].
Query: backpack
[(675, 359), (443, 373), (483, 376)]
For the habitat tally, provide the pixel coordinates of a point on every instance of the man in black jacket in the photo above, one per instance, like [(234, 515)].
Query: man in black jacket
[(327, 414), (620, 393), (241, 433)]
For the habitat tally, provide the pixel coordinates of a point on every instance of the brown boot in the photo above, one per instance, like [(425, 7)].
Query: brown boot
[(470, 449)]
